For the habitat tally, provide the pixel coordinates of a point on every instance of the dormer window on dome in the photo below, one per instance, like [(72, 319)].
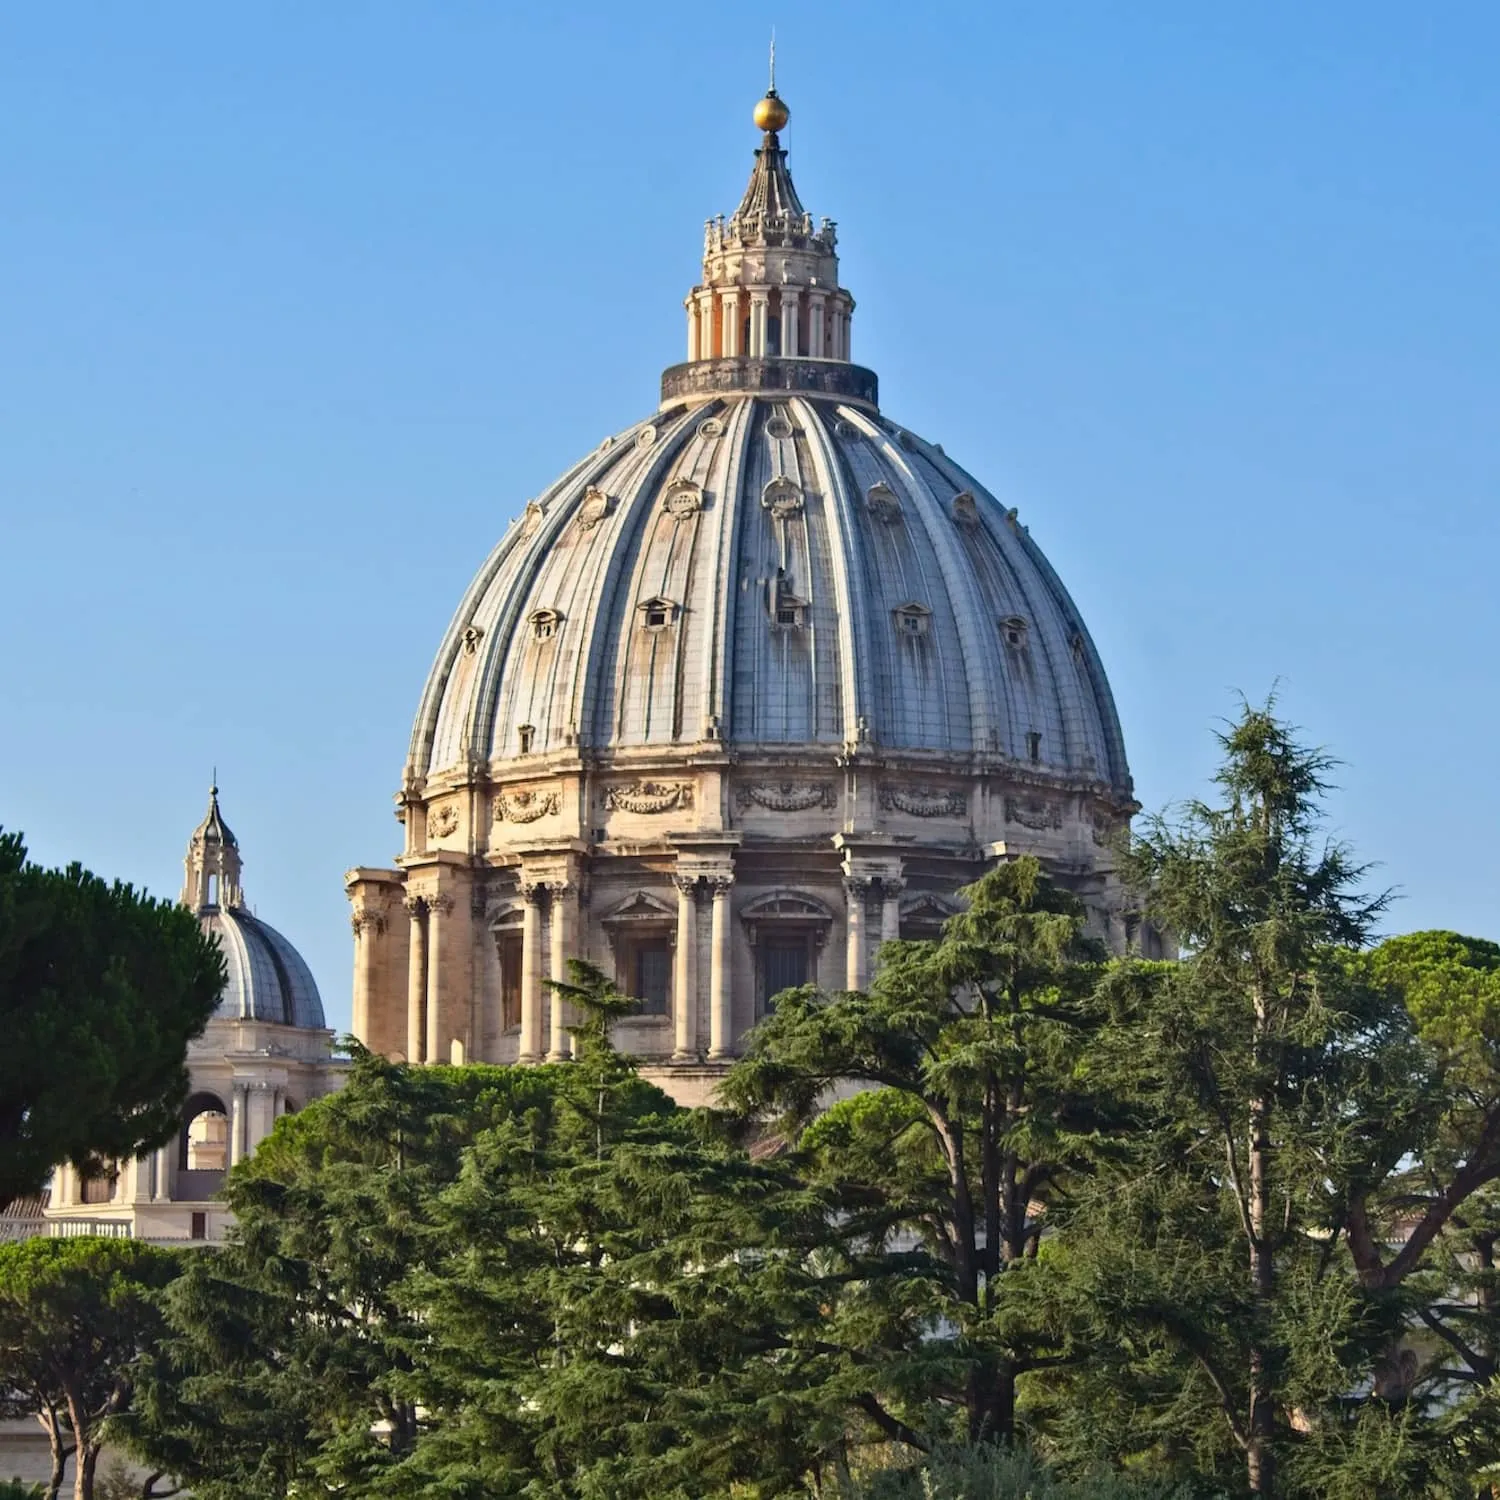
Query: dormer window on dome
[(657, 613), (544, 624), (912, 619), (788, 609), (1014, 629)]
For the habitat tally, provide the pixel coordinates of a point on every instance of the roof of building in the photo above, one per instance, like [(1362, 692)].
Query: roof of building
[(268, 979)]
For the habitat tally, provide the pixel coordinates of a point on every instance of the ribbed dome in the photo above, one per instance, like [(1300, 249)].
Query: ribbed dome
[(268, 980), (771, 570)]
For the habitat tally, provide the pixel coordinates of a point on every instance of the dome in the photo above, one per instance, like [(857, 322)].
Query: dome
[(771, 571), (268, 979), (756, 687)]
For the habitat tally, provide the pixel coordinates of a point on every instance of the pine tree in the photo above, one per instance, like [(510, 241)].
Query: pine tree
[(970, 1119)]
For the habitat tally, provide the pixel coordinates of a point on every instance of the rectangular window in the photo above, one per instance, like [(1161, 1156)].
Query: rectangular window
[(783, 966), (199, 1230), (652, 980), (510, 980)]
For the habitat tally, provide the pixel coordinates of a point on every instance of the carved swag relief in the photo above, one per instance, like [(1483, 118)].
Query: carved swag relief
[(1035, 813), (441, 821), (787, 796), (525, 805), (649, 796), (924, 801)]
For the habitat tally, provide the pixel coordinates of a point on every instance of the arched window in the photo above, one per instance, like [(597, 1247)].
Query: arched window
[(787, 930), (203, 1144)]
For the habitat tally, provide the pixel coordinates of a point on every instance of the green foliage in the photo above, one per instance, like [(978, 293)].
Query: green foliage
[(990, 1472), (101, 989), (977, 1117), (75, 1316), (13, 1489)]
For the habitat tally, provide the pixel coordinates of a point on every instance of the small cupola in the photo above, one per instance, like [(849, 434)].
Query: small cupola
[(212, 866)]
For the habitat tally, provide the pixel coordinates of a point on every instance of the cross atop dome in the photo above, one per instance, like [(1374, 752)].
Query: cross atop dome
[(770, 299)]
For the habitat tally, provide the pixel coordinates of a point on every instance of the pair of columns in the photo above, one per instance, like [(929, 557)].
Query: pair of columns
[(685, 1042), (562, 896), (857, 891), (425, 1011)]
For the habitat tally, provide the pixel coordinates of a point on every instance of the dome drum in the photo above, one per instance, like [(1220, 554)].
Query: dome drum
[(705, 378)]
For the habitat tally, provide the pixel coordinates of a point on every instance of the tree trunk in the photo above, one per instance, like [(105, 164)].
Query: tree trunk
[(83, 1473), (1260, 1464), (52, 1425)]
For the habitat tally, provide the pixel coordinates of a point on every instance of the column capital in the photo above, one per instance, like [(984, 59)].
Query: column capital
[(414, 904), (687, 885), (367, 921), (720, 885), (532, 890), (440, 904), (859, 885)]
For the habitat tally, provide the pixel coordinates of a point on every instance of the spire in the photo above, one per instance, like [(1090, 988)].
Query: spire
[(770, 292), (212, 866)]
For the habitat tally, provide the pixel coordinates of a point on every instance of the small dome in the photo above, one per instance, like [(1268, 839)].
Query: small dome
[(213, 829), (268, 980)]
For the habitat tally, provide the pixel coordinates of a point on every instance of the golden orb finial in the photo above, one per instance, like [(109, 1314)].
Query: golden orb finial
[(771, 113)]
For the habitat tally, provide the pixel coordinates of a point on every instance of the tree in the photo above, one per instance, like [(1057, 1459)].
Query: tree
[(972, 1118), (75, 1314), (101, 989), (613, 1315), (1252, 1272)]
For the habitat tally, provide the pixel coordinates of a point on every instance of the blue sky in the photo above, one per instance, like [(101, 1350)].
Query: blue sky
[(299, 304)]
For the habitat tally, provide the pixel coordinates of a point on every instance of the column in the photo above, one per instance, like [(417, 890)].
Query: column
[(731, 308), (161, 1187), (368, 926), (836, 331), (720, 1012), (890, 910), (789, 331), (237, 1124), (856, 891), (416, 982), (564, 925), (760, 307), (685, 987), (692, 328), (706, 349), (531, 973), (439, 1031), (815, 325)]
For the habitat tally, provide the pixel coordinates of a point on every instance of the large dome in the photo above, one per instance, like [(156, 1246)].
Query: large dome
[(771, 571), (755, 687)]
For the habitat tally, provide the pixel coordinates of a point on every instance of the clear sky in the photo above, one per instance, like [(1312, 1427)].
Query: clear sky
[(300, 303)]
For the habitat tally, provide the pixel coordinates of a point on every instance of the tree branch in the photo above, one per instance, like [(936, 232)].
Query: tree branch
[(893, 1427)]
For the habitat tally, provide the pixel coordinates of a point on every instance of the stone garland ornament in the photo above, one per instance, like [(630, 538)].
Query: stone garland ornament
[(1035, 813), (787, 796), (596, 505), (645, 437), (683, 498), (924, 801), (649, 796), (783, 498), (525, 805), (884, 503), (441, 821)]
